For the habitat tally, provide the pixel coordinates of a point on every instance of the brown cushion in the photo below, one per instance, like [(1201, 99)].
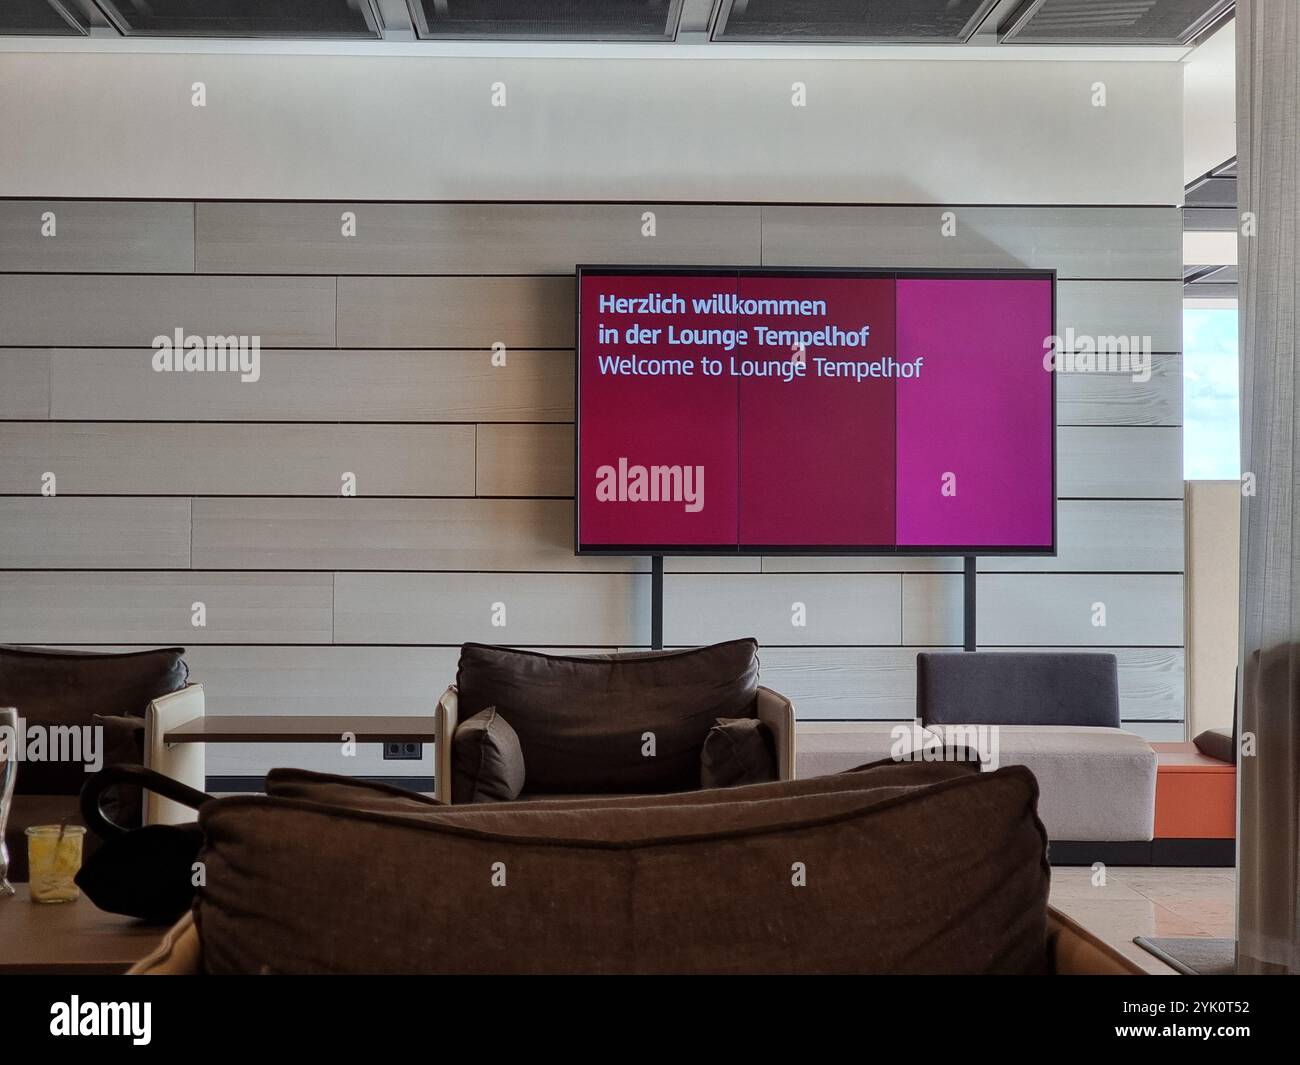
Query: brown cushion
[(581, 721), (123, 745), (945, 877), (737, 750), (1216, 743), (378, 797), (333, 790), (52, 688), (488, 765)]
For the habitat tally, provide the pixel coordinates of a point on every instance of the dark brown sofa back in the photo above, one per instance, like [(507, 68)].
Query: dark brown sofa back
[(582, 720), (886, 875)]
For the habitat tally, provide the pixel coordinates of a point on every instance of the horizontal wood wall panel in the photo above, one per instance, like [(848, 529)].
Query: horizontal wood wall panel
[(468, 238), (1151, 682), (1096, 535), (860, 609), (111, 458), (879, 683), (1141, 610), (542, 609), (933, 608), (1121, 462), (1047, 609), (1117, 399), (712, 564), (105, 310), (323, 386), (113, 236), (269, 681), (1143, 309), (843, 683), (455, 312), (525, 460), (55, 533), (1159, 731), (1123, 242), (151, 607), (393, 534), (26, 384)]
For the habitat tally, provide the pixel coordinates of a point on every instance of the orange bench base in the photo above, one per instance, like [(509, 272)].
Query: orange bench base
[(1196, 796)]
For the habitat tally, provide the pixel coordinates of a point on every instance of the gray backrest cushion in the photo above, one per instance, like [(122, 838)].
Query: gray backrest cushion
[(1017, 688)]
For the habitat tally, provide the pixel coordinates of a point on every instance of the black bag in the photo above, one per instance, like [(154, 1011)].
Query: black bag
[(142, 872)]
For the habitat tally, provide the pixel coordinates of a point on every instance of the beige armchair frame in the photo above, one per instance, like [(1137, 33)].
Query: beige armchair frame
[(772, 708), (180, 761)]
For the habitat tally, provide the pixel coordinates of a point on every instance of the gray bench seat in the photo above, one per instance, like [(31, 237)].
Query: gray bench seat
[(1095, 784)]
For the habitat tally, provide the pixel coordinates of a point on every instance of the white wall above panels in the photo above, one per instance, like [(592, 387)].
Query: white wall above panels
[(352, 127)]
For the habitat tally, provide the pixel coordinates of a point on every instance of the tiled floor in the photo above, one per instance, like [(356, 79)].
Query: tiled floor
[(1133, 901)]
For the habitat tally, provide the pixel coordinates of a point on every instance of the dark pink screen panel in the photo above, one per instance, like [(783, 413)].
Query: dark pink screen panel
[(975, 429), (763, 411), (636, 417), (817, 454)]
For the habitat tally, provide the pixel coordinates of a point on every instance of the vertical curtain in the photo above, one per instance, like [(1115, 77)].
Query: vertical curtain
[(1268, 136)]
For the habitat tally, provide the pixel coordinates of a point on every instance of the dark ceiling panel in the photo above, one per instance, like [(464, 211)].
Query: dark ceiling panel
[(851, 21), (1113, 21), (1209, 219), (44, 17), (554, 20), (1212, 192), (242, 18)]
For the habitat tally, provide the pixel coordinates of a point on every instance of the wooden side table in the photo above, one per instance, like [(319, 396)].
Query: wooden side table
[(69, 938), (1196, 807)]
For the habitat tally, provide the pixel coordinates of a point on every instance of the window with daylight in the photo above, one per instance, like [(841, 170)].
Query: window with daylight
[(1211, 409)]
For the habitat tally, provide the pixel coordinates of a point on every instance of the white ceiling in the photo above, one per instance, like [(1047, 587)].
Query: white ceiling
[(1210, 104)]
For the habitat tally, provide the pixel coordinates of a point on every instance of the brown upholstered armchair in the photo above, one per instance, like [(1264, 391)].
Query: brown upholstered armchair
[(585, 723), (131, 698)]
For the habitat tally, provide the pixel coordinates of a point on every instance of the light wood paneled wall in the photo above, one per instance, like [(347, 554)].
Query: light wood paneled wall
[(175, 489)]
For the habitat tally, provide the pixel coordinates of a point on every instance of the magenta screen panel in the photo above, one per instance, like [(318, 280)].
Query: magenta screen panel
[(856, 412)]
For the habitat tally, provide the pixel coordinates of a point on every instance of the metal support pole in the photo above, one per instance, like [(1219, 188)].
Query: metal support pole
[(968, 596), (657, 602)]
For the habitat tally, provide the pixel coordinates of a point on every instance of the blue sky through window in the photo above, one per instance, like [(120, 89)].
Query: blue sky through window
[(1211, 426)]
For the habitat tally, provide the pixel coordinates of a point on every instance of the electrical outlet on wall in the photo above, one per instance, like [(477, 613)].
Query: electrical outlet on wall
[(403, 751)]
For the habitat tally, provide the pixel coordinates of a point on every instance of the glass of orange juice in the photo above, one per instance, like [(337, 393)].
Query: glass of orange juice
[(53, 859)]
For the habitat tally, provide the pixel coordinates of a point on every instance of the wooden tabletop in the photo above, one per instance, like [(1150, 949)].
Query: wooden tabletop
[(69, 938), (1187, 758), (303, 729)]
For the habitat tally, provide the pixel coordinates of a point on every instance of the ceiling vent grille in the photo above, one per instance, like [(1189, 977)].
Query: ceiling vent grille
[(554, 20), (1150, 22), (851, 21), (48, 18), (307, 19)]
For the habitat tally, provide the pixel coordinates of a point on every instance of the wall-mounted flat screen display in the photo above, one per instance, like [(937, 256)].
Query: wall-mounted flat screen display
[(762, 411)]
